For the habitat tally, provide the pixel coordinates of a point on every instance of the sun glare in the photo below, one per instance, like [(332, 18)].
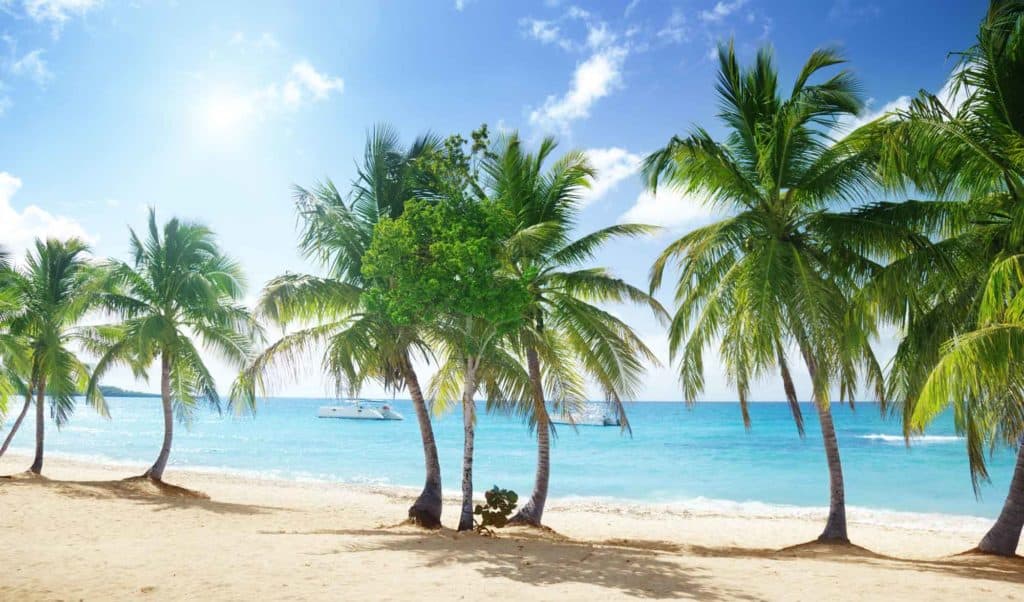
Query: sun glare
[(222, 116)]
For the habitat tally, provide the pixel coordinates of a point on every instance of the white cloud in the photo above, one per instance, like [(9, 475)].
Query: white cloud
[(721, 10), (543, 31), (308, 81), (18, 229), (631, 7), (57, 12), (593, 79), (613, 165), (668, 208), (32, 65), (674, 29), (461, 4), (952, 99)]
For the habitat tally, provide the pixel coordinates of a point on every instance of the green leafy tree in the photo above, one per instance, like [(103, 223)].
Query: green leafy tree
[(565, 335), (57, 287), (958, 301), (776, 272), (178, 295), (359, 343), (439, 265)]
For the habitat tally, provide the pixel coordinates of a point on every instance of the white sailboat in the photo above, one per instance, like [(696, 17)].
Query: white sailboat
[(360, 409)]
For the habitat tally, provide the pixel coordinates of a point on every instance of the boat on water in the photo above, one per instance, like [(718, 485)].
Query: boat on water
[(590, 416), (360, 410)]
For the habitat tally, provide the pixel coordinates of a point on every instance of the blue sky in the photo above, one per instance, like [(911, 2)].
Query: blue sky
[(212, 111)]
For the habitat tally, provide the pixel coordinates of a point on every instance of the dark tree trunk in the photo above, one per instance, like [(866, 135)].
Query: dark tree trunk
[(1003, 537), (17, 423), (835, 527), (37, 464), (468, 426), (156, 472), (533, 512), (426, 510)]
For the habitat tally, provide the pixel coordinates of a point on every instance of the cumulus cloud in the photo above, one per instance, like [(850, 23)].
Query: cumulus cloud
[(613, 165), (18, 229), (593, 79), (669, 209)]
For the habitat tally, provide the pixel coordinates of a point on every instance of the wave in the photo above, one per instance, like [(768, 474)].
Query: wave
[(915, 439)]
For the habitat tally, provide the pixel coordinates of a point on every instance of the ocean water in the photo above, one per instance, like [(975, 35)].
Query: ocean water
[(676, 455)]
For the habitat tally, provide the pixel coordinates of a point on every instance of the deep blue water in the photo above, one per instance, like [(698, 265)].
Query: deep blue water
[(675, 454)]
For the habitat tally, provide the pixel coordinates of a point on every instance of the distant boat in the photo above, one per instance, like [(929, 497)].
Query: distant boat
[(360, 410), (591, 415)]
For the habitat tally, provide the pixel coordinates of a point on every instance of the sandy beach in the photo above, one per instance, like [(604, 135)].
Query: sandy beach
[(83, 534)]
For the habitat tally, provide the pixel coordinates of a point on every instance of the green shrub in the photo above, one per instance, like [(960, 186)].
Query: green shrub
[(496, 512)]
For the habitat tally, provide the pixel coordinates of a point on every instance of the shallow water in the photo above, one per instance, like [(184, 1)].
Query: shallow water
[(701, 457)]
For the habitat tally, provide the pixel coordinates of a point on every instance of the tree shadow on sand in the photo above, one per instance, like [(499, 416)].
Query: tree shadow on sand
[(969, 565), (141, 490), (545, 559)]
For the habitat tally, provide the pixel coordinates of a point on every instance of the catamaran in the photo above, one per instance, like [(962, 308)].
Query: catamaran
[(360, 409), (590, 415)]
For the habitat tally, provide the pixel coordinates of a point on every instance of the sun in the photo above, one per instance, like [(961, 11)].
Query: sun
[(223, 116)]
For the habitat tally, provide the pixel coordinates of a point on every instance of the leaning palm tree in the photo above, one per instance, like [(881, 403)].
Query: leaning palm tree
[(179, 289), (58, 287), (775, 273), (959, 301), (566, 334), (14, 355), (359, 344)]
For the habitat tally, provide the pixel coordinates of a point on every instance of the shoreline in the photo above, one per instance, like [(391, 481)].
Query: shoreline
[(694, 507), (257, 538)]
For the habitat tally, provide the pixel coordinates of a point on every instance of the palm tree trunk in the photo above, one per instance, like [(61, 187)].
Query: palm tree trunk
[(533, 511), (835, 527), (17, 423), (426, 510), (156, 472), (1003, 537), (468, 425), (37, 464)]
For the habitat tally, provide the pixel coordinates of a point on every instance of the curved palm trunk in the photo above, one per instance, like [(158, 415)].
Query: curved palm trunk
[(468, 426), (156, 472), (1003, 537), (17, 423), (426, 510), (835, 527), (533, 511), (37, 464)]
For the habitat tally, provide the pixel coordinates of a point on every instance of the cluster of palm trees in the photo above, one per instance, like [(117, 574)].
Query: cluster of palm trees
[(805, 266), (179, 294), (807, 260)]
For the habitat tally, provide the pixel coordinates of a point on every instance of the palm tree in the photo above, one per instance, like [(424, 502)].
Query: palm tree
[(360, 344), (776, 272), (959, 301), (477, 357), (179, 288), (566, 335), (57, 287), (13, 354)]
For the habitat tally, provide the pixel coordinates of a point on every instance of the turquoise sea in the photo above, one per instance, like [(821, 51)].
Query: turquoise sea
[(700, 456)]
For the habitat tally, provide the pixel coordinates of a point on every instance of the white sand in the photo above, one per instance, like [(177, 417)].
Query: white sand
[(83, 534)]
